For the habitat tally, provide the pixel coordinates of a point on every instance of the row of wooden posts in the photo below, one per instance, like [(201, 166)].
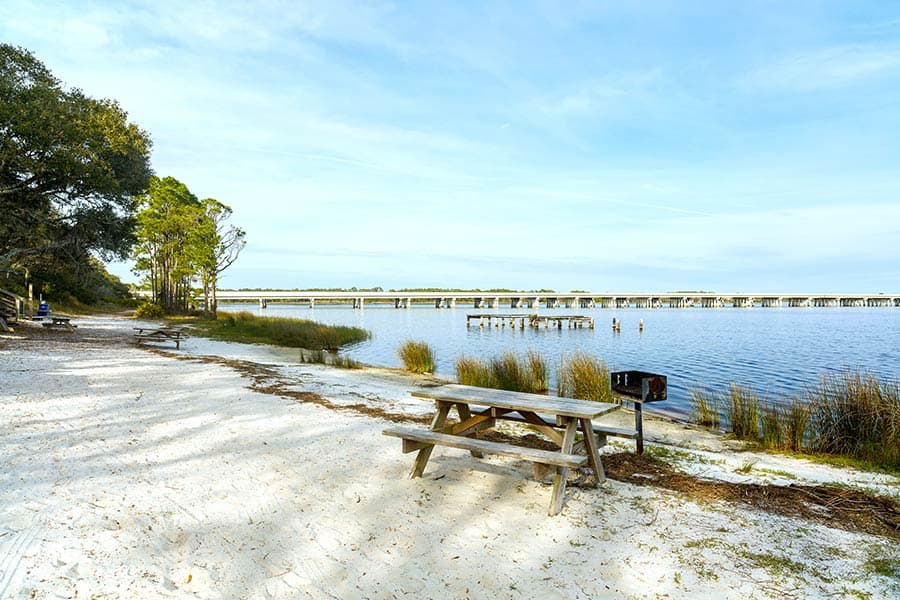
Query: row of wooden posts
[(534, 321)]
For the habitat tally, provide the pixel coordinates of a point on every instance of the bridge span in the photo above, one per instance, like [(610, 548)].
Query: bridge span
[(564, 300)]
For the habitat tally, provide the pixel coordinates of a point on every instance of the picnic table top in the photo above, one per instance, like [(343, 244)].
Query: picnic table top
[(537, 403)]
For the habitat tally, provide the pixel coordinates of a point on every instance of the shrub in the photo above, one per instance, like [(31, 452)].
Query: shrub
[(417, 357), (586, 377), (149, 310)]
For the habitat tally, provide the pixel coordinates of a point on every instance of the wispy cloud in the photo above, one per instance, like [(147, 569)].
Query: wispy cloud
[(825, 68)]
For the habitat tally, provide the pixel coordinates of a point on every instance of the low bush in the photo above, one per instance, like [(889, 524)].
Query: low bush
[(149, 310)]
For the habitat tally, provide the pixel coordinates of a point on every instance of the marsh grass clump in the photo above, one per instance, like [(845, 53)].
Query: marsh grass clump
[(508, 373), (417, 357), (795, 422), (743, 412), (505, 372), (472, 371), (293, 333), (321, 357), (538, 372), (772, 427), (586, 377), (854, 414), (706, 408)]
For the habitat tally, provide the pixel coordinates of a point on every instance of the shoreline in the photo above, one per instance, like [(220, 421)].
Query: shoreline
[(203, 471)]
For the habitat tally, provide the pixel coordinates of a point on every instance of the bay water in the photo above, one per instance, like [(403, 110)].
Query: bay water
[(778, 352)]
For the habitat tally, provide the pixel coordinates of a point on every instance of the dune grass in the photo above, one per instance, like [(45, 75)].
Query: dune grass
[(586, 377), (417, 357), (292, 333)]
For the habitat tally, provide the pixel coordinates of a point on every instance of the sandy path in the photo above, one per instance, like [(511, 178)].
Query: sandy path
[(130, 474)]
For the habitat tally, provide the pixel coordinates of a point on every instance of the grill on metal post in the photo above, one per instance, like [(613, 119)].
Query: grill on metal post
[(640, 387)]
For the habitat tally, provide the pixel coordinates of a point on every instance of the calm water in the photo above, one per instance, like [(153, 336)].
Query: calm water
[(777, 351)]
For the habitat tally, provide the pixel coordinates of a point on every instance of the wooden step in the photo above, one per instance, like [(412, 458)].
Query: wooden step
[(426, 437)]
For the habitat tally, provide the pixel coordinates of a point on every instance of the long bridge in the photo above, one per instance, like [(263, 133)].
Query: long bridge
[(564, 300)]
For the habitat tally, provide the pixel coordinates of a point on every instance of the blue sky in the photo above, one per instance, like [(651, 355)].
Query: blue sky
[(612, 146)]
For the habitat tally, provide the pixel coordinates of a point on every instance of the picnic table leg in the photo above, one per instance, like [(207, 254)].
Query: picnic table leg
[(590, 444), (437, 424), (562, 473), (465, 414)]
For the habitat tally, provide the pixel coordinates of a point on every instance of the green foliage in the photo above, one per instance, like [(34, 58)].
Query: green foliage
[(149, 310), (293, 333), (69, 167), (417, 357), (586, 377), (181, 240)]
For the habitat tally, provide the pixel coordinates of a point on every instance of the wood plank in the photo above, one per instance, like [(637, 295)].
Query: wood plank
[(542, 426), (440, 417), (616, 431), (590, 445), (567, 407), (465, 414), (548, 457), (557, 497)]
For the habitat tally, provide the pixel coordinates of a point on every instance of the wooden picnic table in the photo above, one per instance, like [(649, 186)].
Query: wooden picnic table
[(160, 334), (59, 323), (480, 408)]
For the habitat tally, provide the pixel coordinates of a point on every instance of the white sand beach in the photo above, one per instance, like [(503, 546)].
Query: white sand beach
[(139, 472)]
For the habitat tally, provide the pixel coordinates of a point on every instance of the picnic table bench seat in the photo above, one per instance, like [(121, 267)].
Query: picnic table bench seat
[(419, 438), (598, 428)]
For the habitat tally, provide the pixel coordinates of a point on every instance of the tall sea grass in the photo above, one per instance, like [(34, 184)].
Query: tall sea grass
[(505, 372), (473, 371), (706, 408), (417, 357), (851, 414), (854, 414), (742, 411), (293, 333), (586, 377)]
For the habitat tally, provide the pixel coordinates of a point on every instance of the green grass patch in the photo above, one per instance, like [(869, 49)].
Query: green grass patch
[(705, 409), (292, 333), (417, 357)]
